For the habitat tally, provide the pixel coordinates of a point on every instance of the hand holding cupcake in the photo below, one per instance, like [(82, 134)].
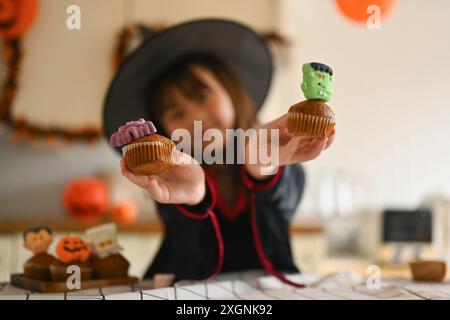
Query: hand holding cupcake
[(151, 162)]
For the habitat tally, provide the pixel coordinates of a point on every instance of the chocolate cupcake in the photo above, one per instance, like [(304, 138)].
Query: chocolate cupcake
[(144, 151), (113, 266), (313, 116), (38, 267)]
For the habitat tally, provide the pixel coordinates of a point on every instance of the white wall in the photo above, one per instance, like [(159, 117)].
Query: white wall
[(257, 13), (391, 96)]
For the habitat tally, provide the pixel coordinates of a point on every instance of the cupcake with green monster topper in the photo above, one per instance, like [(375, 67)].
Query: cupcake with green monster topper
[(313, 116)]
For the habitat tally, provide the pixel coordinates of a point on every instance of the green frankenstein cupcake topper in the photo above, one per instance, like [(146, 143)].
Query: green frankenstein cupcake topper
[(317, 79)]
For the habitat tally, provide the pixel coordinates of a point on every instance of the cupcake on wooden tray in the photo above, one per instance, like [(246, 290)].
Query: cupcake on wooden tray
[(144, 151), (37, 240), (313, 116), (106, 259), (71, 250)]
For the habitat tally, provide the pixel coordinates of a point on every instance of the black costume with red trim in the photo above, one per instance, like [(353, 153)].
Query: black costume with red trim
[(208, 238)]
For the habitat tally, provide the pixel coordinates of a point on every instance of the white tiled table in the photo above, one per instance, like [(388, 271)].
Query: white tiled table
[(253, 285)]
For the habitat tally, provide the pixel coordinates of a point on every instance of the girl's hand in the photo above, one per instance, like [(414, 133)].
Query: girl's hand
[(293, 148), (183, 183)]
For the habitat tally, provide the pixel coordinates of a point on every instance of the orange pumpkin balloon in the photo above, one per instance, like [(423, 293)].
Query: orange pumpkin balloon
[(86, 199), (125, 212), (356, 10), (16, 16), (72, 249)]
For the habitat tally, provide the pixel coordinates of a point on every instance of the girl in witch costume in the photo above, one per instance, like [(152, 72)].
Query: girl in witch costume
[(218, 217)]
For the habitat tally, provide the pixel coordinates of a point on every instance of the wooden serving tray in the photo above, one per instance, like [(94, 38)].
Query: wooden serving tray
[(20, 281)]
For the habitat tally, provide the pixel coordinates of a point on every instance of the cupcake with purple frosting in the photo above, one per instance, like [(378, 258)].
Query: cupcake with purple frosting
[(144, 151)]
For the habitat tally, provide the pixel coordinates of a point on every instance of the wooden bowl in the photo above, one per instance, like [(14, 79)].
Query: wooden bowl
[(423, 270)]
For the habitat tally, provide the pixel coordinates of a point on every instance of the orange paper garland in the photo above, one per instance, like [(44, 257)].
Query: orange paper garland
[(16, 16)]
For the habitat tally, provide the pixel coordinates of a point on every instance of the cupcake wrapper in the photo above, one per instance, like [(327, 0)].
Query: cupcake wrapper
[(309, 124), (59, 273), (37, 271), (139, 153)]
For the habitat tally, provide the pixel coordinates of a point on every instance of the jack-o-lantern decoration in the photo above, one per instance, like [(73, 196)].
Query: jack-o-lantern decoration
[(16, 16), (72, 249), (86, 199)]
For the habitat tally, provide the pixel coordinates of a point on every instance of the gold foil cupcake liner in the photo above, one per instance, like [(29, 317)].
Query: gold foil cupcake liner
[(36, 271), (139, 153), (310, 124)]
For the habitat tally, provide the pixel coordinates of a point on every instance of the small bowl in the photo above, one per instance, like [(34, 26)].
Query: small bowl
[(423, 270)]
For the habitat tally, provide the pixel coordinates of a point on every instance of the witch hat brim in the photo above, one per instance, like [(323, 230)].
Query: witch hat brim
[(242, 50)]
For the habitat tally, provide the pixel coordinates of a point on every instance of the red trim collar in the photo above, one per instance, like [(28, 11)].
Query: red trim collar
[(239, 206)]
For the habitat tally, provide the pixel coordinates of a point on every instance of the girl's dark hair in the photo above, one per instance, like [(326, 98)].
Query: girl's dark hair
[(181, 76)]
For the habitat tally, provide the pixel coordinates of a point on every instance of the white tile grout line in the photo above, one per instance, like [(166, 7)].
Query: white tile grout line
[(225, 288), (153, 295), (193, 292), (416, 294), (206, 290), (354, 288), (101, 293)]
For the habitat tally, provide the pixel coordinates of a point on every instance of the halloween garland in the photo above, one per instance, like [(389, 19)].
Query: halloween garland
[(22, 130), (129, 38), (15, 19)]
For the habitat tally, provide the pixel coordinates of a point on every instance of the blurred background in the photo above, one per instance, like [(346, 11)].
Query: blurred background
[(380, 195)]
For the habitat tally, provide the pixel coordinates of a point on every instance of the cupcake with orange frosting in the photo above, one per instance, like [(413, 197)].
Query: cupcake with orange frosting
[(71, 251), (144, 151)]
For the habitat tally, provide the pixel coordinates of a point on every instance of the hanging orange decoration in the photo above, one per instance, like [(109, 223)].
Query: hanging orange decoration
[(16, 16), (356, 10), (125, 212)]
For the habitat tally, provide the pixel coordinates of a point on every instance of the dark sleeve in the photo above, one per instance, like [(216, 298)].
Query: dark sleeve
[(189, 248), (204, 205), (281, 192), (198, 211)]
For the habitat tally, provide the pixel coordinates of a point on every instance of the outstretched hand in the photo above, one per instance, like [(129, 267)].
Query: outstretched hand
[(293, 148), (183, 183)]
